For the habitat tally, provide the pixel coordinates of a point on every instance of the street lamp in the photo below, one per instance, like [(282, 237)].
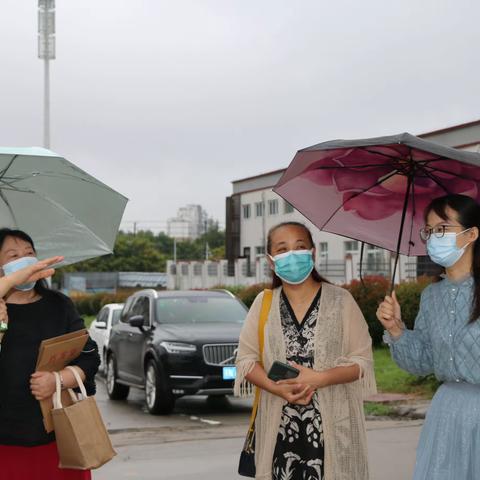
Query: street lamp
[(46, 52)]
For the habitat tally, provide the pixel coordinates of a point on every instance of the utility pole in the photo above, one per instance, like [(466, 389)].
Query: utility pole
[(46, 52), (206, 241), (175, 261)]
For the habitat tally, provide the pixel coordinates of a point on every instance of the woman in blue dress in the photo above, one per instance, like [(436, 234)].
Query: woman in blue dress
[(446, 341)]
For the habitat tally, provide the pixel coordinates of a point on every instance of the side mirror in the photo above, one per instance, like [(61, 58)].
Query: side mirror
[(136, 321), (101, 325)]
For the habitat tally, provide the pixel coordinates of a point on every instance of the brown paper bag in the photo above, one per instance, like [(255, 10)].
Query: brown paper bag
[(82, 439), (53, 355)]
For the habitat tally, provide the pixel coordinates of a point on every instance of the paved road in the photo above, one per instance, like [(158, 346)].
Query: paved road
[(202, 440)]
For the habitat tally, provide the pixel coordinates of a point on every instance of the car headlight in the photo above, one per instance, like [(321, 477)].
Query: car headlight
[(177, 347)]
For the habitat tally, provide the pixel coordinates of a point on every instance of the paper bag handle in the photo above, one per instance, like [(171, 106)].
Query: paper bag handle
[(80, 384), (57, 396)]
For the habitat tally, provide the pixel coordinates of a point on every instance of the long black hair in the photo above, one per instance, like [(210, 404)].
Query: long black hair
[(468, 211), (276, 281), (41, 287)]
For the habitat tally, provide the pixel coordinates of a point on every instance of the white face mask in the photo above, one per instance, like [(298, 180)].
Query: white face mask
[(444, 251)]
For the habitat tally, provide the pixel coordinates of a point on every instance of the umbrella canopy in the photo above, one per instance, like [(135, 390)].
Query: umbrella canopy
[(65, 210), (375, 190)]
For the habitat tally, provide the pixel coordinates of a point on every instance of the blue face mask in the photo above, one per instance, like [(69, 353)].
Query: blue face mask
[(294, 267), (444, 251), (17, 265)]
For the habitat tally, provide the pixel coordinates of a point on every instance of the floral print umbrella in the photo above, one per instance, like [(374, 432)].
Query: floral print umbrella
[(375, 190)]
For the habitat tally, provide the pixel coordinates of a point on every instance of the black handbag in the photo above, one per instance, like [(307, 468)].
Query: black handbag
[(246, 465)]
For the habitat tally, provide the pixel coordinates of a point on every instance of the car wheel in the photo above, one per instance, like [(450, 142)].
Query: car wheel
[(115, 390), (158, 395), (104, 363)]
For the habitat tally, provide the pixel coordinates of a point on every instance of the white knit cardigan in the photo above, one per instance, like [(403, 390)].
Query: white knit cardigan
[(341, 339)]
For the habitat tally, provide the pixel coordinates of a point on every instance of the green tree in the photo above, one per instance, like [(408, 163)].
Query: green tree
[(149, 252)]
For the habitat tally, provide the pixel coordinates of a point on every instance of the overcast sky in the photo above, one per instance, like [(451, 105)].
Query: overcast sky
[(169, 101)]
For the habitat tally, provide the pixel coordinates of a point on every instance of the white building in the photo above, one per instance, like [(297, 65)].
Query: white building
[(189, 224), (253, 208)]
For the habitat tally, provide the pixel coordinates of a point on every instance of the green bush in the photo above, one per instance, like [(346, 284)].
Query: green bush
[(369, 294), (91, 304), (248, 295), (408, 294), (235, 289)]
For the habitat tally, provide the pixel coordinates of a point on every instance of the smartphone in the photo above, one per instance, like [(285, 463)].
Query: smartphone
[(282, 371)]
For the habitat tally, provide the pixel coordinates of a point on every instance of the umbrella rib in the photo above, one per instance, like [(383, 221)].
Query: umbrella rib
[(7, 203), (76, 177), (353, 166), (392, 157), (70, 214), (4, 171), (441, 170), (378, 182), (417, 162), (432, 177)]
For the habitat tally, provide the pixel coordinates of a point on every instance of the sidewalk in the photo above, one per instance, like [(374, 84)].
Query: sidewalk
[(405, 406), (198, 455)]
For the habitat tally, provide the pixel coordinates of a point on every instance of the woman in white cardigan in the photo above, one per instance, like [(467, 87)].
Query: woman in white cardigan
[(312, 427)]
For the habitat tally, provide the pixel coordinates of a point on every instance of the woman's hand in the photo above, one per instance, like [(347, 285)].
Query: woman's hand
[(390, 316), (33, 273), (295, 393), (307, 376), (42, 385)]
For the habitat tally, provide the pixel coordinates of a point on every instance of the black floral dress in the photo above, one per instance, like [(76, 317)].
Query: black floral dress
[(299, 451)]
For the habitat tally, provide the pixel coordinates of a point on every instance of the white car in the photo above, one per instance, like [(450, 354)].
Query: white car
[(100, 328)]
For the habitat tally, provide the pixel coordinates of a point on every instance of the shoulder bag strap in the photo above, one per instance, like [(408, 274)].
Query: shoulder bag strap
[(265, 310)]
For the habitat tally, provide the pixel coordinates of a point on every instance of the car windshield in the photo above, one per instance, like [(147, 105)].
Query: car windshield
[(199, 309)]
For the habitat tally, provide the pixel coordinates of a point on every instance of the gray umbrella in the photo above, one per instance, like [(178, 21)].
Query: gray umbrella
[(65, 210)]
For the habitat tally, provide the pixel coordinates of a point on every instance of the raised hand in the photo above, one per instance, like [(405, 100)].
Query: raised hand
[(32, 273), (390, 315)]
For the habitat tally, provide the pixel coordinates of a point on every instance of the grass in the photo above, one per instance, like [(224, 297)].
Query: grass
[(378, 409), (88, 320), (392, 379)]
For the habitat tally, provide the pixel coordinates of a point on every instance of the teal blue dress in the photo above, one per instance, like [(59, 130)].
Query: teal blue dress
[(444, 343)]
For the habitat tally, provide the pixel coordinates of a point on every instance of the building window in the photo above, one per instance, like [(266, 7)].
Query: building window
[(273, 207), (287, 208), (212, 269), (173, 269), (225, 269), (351, 246), (184, 269), (197, 269), (246, 211), (260, 250), (259, 209), (323, 249)]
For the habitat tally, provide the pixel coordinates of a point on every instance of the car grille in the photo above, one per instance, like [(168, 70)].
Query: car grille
[(221, 354)]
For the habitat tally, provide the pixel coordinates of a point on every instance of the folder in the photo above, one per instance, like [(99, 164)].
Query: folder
[(54, 355)]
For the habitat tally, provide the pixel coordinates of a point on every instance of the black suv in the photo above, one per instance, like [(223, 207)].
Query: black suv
[(174, 343)]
